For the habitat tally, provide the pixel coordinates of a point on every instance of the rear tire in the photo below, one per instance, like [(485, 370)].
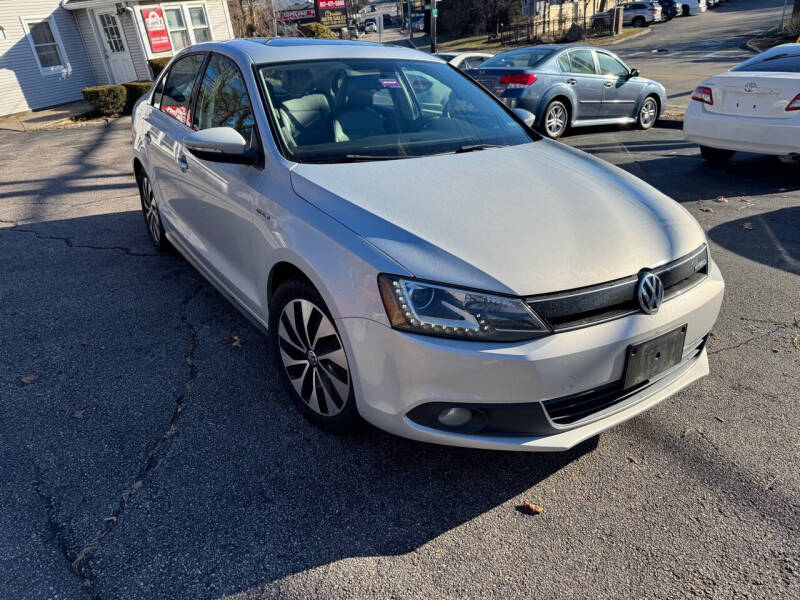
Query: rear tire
[(639, 22), (311, 358), (716, 156), (556, 120), (152, 217)]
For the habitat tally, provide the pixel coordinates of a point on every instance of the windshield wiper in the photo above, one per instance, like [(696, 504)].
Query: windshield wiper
[(476, 147), (346, 158)]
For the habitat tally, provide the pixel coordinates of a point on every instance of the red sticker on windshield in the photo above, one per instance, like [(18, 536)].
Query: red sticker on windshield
[(390, 83)]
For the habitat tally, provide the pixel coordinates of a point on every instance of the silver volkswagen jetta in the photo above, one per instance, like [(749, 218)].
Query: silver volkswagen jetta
[(420, 257)]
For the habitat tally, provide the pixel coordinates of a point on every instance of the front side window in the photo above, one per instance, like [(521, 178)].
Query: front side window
[(581, 62), (777, 60), (222, 100), (178, 87), (611, 66), (177, 29), (372, 109), (46, 45), (200, 28)]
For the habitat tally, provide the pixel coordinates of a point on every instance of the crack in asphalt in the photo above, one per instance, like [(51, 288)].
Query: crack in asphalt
[(755, 338), (68, 241), (56, 528), (80, 564)]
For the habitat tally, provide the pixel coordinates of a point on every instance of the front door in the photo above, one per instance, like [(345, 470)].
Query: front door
[(115, 47), (620, 91)]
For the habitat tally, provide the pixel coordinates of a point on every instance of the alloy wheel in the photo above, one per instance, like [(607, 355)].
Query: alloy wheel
[(647, 114), (313, 357), (150, 210), (556, 120)]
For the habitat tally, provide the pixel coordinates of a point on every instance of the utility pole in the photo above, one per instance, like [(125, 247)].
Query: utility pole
[(434, 19), (410, 29)]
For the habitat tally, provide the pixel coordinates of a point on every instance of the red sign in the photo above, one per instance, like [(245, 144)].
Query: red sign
[(325, 4), (156, 29)]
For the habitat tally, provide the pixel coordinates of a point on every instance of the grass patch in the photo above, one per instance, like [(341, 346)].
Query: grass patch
[(775, 37)]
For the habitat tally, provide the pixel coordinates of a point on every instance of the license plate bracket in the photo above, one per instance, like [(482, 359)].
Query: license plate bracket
[(654, 356)]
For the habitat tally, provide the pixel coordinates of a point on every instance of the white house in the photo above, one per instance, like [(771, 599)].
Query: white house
[(51, 49)]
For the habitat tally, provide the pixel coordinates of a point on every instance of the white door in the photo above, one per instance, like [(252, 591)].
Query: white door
[(116, 50)]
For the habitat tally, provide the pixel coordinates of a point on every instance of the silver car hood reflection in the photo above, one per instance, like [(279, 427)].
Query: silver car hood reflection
[(529, 219)]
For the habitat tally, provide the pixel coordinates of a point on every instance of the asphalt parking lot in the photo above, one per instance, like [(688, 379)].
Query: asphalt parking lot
[(150, 452)]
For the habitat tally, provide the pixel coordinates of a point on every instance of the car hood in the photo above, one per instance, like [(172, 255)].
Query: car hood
[(529, 219)]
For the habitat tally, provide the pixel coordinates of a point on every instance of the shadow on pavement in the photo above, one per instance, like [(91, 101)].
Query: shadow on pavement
[(772, 238)]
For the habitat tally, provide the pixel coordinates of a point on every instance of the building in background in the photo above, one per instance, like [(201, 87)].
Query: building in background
[(51, 49)]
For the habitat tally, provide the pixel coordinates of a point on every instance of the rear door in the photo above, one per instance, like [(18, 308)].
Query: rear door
[(167, 125), (620, 91), (578, 70)]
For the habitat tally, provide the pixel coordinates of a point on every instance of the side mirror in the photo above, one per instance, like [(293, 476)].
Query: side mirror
[(633, 73), (220, 144), (525, 116)]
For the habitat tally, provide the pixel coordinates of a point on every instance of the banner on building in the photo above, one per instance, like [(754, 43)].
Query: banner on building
[(332, 13), (295, 10), (156, 28)]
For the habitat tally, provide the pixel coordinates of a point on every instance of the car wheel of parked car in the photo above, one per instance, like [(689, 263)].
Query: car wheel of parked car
[(685, 10), (152, 218), (556, 119), (716, 156), (311, 358), (639, 22), (648, 113)]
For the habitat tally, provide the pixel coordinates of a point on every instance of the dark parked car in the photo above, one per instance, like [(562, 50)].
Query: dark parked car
[(572, 86), (669, 9)]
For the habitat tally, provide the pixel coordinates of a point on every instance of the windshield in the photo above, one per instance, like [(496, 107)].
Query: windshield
[(372, 109), (780, 60), (530, 57)]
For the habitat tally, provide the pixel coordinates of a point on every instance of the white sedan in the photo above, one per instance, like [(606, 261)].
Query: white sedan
[(754, 107), (464, 60)]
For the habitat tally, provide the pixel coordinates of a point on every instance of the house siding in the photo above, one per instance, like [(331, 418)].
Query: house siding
[(93, 51), (22, 86), (135, 47)]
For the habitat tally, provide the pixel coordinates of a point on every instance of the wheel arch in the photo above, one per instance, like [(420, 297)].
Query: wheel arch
[(564, 95)]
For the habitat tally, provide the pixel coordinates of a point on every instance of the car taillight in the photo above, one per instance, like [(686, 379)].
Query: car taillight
[(651, 10), (794, 104), (703, 94), (518, 80)]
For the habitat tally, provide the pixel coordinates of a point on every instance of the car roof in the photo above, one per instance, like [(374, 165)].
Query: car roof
[(273, 50)]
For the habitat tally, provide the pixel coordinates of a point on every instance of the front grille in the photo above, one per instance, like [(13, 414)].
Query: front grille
[(581, 307), (571, 409)]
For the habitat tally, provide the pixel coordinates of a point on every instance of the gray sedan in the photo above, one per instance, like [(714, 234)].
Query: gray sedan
[(572, 86)]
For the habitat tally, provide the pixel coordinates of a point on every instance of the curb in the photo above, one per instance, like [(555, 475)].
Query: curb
[(630, 37), (753, 48)]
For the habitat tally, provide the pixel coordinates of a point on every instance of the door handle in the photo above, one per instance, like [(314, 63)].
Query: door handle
[(147, 137), (572, 81), (183, 163), (609, 84)]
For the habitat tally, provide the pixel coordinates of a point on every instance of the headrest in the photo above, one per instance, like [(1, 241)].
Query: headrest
[(296, 81)]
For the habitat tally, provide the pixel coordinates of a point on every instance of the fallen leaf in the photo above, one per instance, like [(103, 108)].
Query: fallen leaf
[(775, 350), (720, 419), (29, 378), (78, 413), (706, 209), (748, 225), (633, 460), (712, 335), (529, 508), (235, 341), (721, 199), (743, 199)]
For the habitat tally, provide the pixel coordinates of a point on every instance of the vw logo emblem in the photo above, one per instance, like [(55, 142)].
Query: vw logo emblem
[(650, 292), (750, 87)]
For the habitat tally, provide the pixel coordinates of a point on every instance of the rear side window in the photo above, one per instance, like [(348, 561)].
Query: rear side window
[(178, 87), (522, 58), (778, 60), (222, 100), (563, 63), (581, 62)]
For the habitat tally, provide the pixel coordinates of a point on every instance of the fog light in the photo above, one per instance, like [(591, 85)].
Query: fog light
[(455, 417)]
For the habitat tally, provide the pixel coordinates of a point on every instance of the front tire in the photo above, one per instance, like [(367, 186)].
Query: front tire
[(716, 156), (311, 358), (648, 113), (152, 218), (556, 119)]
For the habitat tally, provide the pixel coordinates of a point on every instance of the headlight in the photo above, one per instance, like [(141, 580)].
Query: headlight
[(433, 309)]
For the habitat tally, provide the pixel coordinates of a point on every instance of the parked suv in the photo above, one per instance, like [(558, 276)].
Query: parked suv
[(641, 14)]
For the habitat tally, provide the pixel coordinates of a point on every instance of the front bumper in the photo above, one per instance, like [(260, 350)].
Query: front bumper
[(776, 136), (395, 372)]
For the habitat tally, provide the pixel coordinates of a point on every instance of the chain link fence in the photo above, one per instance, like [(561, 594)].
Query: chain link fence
[(569, 21)]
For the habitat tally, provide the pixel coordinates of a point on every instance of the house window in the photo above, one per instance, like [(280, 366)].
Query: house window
[(200, 29), (43, 37), (177, 29)]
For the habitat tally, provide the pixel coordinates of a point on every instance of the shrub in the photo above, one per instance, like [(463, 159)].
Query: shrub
[(318, 30), (157, 65), (107, 100), (133, 91)]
